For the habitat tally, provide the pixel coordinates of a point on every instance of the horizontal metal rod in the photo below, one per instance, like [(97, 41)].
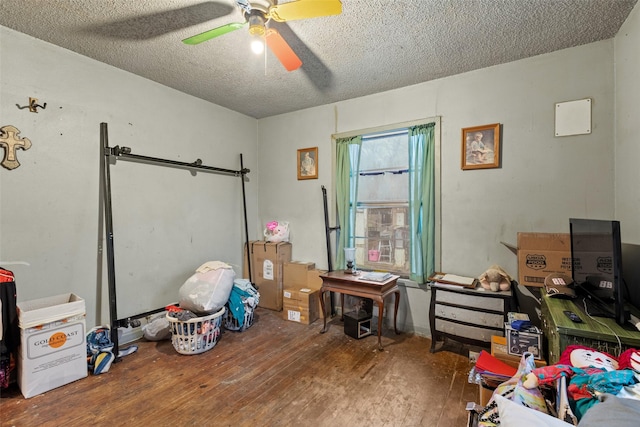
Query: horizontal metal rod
[(124, 153)]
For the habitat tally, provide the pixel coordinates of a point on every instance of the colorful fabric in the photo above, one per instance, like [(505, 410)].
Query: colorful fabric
[(99, 350), (630, 359), (242, 293), (514, 390), (584, 388), (9, 329)]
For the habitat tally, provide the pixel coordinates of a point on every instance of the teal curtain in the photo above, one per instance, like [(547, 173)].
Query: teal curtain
[(422, 201), (348, 166)]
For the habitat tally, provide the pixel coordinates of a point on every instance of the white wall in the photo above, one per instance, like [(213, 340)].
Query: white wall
[(50, 212), (627, 176), (166, 221), (543, 180)]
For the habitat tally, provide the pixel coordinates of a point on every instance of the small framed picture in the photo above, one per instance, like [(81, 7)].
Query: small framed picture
[(308, 163), (481, 147)]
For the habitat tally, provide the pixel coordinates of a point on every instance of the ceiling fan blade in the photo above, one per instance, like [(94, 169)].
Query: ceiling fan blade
[(208, 35), (302, 9), (282, 50)]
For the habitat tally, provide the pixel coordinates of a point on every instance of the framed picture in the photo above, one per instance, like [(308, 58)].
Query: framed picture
[(308, 163), (481, 147)]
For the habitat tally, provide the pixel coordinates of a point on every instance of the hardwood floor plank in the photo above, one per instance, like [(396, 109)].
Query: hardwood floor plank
[(276, 373)]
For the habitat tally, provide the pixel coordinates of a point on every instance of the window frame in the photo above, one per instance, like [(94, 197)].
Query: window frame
[(391, 128)]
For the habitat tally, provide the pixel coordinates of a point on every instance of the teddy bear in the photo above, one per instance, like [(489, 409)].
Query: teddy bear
[(495, 279), (277, 231)]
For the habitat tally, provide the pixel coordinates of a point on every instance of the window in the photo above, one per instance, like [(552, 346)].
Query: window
[(387, 187), (381, 221)]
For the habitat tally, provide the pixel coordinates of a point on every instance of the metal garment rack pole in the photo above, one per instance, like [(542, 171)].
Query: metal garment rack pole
[(327, 232), (124, 153)]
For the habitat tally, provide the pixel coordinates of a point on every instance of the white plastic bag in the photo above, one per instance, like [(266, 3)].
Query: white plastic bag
[(277, 231), (207, 291), (157, 330)]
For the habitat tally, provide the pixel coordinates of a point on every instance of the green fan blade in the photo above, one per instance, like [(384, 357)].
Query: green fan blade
[(302, 9), (208, 35)]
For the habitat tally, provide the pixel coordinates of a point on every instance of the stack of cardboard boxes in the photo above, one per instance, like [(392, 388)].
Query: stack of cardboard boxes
[(285, 285), (267, 265), (301, 297)]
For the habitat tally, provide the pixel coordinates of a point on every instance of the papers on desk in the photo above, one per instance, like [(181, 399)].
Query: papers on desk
[(453, 279), (374, 276)]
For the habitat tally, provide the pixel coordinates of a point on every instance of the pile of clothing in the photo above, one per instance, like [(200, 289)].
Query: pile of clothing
[(572, 392), (244, 298)]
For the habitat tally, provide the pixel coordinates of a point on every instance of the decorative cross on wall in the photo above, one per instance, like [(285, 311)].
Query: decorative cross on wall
[(10, 141)]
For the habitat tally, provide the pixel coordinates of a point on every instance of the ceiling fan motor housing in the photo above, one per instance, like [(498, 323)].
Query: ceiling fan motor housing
[(258, 16), (262, 5)]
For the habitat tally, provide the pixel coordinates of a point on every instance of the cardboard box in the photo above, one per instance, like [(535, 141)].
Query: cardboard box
[(267, 263), (519, 342), (53, 347), (499, 351), (540, 254), (295, 273), (314, 281), (485, 394), (301, 305)]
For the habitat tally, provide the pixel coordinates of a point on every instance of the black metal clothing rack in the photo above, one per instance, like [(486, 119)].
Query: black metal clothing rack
[(124, 153), (327, 232)]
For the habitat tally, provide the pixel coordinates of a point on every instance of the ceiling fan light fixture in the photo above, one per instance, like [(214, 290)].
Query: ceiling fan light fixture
[(257, 45)]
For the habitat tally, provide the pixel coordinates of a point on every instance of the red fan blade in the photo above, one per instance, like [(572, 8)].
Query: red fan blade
[(282, 50)]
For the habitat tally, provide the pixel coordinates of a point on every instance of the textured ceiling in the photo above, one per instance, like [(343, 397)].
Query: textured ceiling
[(373, 46)]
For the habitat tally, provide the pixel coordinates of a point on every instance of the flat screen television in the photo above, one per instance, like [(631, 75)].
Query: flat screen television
[(596, 265), (631, 273)]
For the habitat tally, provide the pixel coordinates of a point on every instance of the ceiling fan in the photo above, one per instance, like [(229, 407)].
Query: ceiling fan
[(257, 13)]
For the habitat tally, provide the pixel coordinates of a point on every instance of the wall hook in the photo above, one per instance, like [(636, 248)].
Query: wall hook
[(33, 105)]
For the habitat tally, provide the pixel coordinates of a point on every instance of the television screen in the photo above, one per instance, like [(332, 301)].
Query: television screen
[(596, 262), (631, 273)]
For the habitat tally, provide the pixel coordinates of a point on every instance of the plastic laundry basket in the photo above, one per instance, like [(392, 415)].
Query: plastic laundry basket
[(232, 324), (196, 335)]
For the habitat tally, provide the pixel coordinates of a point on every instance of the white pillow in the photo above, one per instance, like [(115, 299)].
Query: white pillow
[(515, 415)]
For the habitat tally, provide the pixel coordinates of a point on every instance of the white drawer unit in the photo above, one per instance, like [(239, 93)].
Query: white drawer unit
[(470, 316)]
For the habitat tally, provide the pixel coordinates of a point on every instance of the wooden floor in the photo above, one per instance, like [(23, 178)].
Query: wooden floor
[(276, 373)]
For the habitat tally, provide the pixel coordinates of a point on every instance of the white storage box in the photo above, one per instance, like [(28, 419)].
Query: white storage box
[(53, 347)]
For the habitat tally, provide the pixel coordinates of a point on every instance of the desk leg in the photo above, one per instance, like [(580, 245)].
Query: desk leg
[(341, 307), (380, 315), (395, 311), (322, 307)]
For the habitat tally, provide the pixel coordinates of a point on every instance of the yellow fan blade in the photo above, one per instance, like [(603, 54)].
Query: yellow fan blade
[(282, 50), (302, 9)]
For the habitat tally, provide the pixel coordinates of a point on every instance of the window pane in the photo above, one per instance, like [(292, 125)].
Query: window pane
[(384, 152), (381, 232), (387, 187)]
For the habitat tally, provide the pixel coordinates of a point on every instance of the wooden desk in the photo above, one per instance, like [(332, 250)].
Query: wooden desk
[(348, 284)]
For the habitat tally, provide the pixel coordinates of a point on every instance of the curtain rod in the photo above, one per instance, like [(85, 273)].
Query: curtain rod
[(386, 128)]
